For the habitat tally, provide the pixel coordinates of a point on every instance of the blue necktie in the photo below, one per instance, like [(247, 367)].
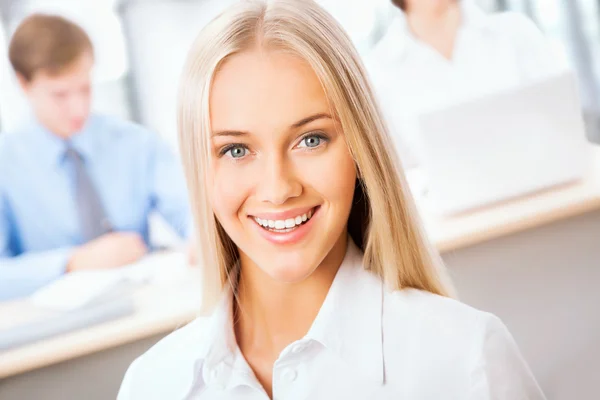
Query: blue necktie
[(92, 217)]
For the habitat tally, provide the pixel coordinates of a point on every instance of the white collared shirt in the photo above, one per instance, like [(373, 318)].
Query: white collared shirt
[(492, 52), (366, 343)]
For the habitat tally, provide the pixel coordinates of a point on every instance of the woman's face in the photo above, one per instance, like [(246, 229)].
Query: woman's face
[(282, 176)]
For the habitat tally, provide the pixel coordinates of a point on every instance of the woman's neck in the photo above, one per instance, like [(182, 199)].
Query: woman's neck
[(438, 28), (270, 315)]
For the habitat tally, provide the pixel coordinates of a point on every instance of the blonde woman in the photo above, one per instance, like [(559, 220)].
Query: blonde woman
[(318, 281)]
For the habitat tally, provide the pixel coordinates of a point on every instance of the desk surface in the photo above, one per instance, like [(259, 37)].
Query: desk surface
[(519, 214), (159, 309), (164, 309)]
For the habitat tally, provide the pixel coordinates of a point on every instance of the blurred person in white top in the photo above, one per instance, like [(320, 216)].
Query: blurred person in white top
[(318, 282), (437, 53)]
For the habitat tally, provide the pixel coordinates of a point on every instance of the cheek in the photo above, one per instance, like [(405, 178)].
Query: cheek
[(55, 109), (228, 190), (42, 104), (333, 175)]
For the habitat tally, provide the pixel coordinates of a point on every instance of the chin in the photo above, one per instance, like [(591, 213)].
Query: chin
[(287, 268)]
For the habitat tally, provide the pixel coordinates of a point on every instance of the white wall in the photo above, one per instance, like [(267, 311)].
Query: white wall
[(160, 35), (543, 283)]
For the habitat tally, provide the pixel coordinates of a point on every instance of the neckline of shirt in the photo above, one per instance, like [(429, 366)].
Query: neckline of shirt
[(400, 37), (348, 325), (52, 149)]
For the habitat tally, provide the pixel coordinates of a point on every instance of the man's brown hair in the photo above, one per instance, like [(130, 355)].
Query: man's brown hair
[(46, 42), (400, 4)]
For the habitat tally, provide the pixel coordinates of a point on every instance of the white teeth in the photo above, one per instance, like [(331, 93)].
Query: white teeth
[(284, 224), (279, 224)]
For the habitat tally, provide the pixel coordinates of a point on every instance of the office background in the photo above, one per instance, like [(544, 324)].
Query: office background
[(141, 46), (547, 272)]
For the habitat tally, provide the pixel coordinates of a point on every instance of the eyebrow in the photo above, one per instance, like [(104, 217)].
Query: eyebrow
[(310, 119), (296, 125), (230, 133)]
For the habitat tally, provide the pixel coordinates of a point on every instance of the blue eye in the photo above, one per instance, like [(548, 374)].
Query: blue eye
[(236, 151), (311, 141)]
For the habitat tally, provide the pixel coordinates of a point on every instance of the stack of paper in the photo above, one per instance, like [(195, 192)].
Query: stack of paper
[(79, 289)]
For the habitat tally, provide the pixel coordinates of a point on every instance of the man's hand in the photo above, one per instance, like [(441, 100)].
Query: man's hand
[(108, 251)]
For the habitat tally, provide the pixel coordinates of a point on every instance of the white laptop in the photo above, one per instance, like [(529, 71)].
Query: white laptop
[(503, 145)]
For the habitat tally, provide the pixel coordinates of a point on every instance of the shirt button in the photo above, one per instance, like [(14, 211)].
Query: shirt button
[(288, 375)]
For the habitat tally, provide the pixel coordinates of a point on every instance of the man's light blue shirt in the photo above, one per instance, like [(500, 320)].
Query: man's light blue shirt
[(134, 173)]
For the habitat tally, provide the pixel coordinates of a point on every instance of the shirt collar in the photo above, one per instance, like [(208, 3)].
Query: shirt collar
[(400, 37), (51, 148), (86, 142), (48, 147), (218, 357), (474, 16), (349, 324)]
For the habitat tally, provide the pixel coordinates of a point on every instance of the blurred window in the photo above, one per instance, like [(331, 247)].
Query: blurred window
[(573, 27)]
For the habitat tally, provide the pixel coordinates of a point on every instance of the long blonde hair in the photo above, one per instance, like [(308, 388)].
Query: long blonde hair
[(383, 221)]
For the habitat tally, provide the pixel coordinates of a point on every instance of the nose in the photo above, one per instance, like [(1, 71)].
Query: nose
[(279, 182)]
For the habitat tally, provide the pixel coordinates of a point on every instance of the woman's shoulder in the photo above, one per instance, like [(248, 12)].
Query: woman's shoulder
[(443, 331), (437, 317), (431, 338), (422, 299), (168, 366)]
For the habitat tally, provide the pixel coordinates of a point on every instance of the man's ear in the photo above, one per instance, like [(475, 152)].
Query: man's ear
[(24, 83)]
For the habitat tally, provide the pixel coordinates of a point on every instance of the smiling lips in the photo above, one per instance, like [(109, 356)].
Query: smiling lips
[(284, 225)]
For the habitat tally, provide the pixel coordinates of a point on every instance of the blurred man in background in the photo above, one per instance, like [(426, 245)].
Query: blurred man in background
[(76, 189)]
